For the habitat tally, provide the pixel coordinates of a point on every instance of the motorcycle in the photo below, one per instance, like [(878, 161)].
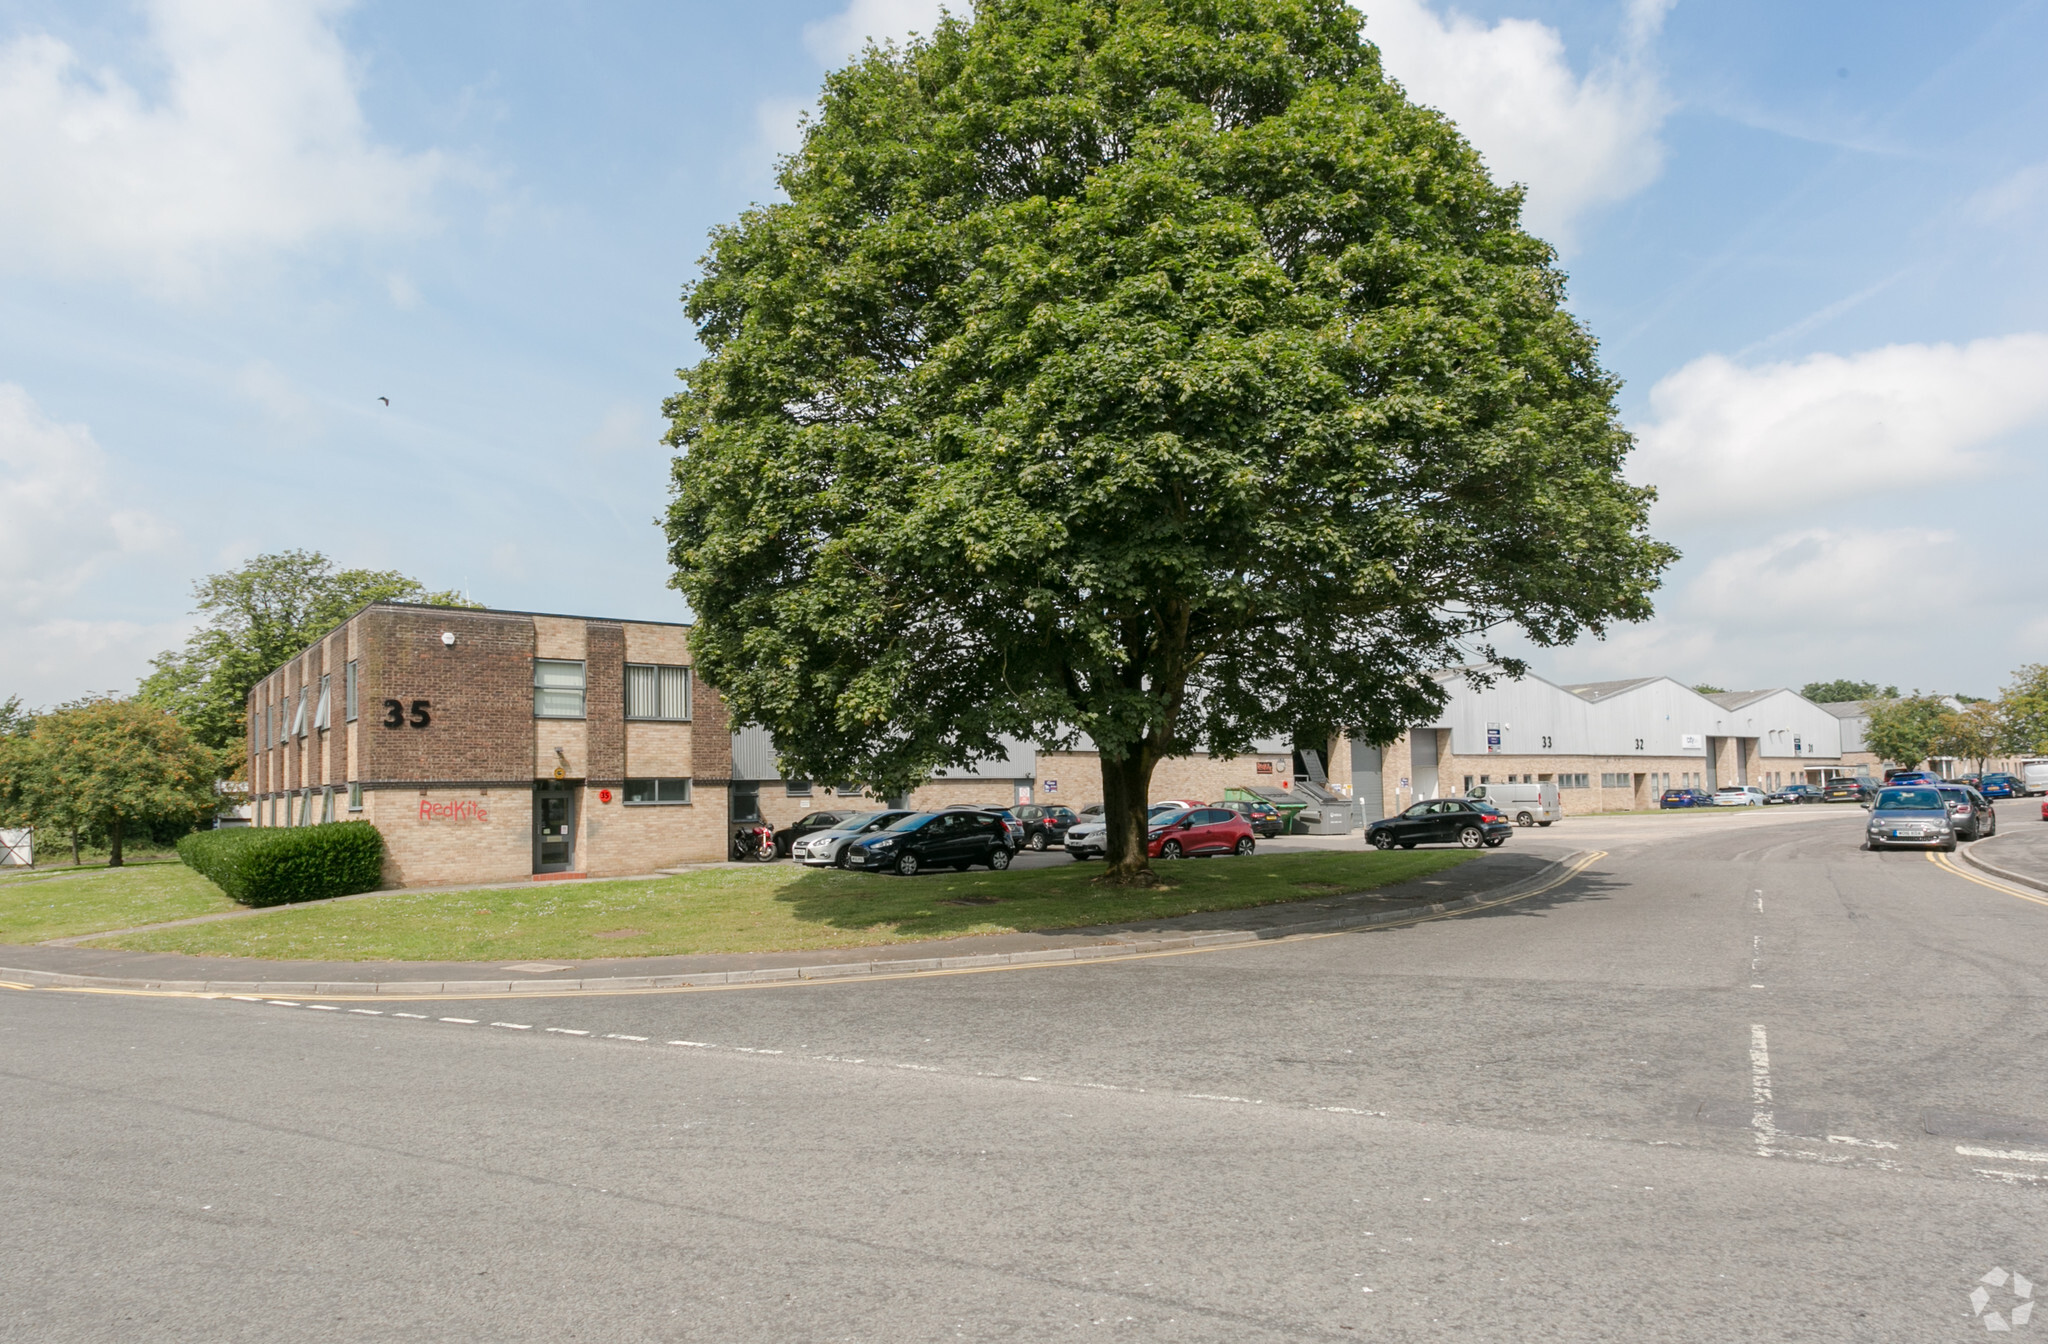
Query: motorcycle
[(753, 841)]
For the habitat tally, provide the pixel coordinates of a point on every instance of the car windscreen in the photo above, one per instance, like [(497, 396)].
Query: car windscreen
[(913, 821), (1168, 817), (1910, 800), (1161, 809)]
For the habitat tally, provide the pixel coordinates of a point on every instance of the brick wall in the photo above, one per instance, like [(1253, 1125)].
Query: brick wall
[(459, 835), (605, 702), (479, 691)]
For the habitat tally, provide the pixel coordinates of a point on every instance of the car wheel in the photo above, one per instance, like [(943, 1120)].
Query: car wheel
[(1524, 819), (1170, 850), (1038, 841), (1244, 846), (906, 864), (1000, 859), (1471, 837), (1381, 840)]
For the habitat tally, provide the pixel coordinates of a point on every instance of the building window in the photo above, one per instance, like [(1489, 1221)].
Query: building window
[(1617, 781), (646, 792), (283, 727), (654, 692), (1468, 784), (746, 802), (299, 716), (326, 805), (320, 712), (557, 689), (348, 682), (355, 791), (1573, 781), (798, 788)]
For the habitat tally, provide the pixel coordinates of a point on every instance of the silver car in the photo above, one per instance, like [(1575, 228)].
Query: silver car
[(827, 849), (1086, 838), (1914, 814)]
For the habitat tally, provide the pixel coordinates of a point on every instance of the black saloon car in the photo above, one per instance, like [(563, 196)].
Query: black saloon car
[(957, 840), (1441, 821), (1044, 826), (816, 821), (1793, 793), (1844, 789), (1264, 818)]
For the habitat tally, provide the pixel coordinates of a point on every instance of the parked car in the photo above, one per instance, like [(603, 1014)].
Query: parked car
[(1892, 777), (1969, 811), (1997, 785), (1529, 804), (1442, 821), (827, 849), (1264, 819), (1738, 795), (1914, 815), (1198, 830), (1794, 793), (787, 837), (1085, 838), (956, 839), (2035, 773), (1844, 789), (1045, 826), (1686, 798)]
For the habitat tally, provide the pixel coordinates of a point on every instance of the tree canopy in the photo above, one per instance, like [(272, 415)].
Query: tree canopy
[(1908, 730), (1834, 692), (2025, 710), (1150, 370), (257, 616), (105, 766)]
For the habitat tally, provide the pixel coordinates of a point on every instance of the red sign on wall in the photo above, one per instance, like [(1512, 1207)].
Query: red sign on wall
[(1265, 767), (433, 811)]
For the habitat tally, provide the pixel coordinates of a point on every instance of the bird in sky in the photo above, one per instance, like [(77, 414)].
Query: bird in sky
[(385, 400)]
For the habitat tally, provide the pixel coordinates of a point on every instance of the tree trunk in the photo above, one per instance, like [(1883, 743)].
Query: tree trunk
[(1126, 792), (74, 847), (114, 843)]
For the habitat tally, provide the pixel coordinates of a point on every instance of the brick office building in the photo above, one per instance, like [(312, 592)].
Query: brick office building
[(488, 745)]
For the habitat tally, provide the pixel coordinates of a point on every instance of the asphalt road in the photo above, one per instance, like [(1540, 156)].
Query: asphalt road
[(1687, 1096)]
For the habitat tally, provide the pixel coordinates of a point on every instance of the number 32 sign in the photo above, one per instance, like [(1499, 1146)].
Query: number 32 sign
[(395, 715)]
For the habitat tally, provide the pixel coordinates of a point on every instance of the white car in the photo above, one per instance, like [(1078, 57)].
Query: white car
[(827, 849), (1738, 795), (1086, 841)]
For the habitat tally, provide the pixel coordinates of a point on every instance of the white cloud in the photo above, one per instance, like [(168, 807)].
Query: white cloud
[(1728, 441), (60, 522), (1830, 580), (50, 661), (835, 40), (1576, 142), (257, 143), (779, 125)]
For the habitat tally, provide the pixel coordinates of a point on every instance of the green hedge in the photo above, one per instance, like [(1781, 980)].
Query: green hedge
[(275, 865)]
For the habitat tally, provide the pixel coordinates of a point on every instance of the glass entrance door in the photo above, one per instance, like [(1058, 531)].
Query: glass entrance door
[(554, 826)]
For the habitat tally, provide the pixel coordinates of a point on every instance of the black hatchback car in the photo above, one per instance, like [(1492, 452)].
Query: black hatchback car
[(957, 840), (1442, 821), (1686, 798), (1264, 818), (1844, 789), (1044, 826)]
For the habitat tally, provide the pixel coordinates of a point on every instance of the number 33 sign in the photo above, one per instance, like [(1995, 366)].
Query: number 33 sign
[(395, 717)]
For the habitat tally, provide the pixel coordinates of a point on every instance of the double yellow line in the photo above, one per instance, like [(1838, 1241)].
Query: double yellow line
[(1578, 864), (1947, 863)]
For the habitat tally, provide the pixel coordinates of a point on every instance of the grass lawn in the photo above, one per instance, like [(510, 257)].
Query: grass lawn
[(34, 907), (769, 908)]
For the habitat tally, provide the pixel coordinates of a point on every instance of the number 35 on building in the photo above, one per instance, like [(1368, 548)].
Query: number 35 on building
[(395, 715)]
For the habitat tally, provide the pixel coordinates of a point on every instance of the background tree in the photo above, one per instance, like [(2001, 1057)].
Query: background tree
[(1976, 732), (2024, 705), (1708, 688), (1834, 692), (256, 617), (114, 766), (1153, 371), (1908, 730)]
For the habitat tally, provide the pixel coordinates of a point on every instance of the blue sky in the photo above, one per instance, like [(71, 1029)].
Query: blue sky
[(1808, 237)]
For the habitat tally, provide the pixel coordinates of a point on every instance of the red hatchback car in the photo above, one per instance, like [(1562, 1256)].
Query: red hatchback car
[(1199, 830)]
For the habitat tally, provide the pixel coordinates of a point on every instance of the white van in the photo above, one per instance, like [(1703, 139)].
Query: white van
[(1523, 804), (2033, 773)]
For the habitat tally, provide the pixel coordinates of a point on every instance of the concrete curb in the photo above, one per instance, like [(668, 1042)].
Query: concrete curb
[(1969, 856), (1551, 875)]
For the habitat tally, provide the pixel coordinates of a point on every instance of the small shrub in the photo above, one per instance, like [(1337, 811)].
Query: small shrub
[(277, 865)]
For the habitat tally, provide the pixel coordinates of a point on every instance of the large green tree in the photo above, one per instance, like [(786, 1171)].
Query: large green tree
[(2024, 708), (1145, 369), (110, 767), (257, 616), (1908, 730)]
